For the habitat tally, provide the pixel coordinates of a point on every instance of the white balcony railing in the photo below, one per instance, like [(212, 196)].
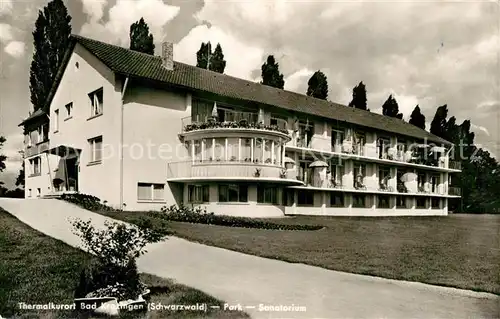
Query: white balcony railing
[(224, 170)]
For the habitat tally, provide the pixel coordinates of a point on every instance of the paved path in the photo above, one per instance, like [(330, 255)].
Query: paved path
[(250, 281)]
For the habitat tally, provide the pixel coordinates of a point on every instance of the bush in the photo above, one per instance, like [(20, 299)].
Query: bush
[(200, 215), (85, 201), (116, 248)]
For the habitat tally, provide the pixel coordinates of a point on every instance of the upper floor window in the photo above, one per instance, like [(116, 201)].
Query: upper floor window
[(35, 166), (95, 146), (279, 121), (43, 133), (359, 175), (383, 145), (306, 132), (69, 110), (384, 175), (337, 139), (96, 102), (56, 120)]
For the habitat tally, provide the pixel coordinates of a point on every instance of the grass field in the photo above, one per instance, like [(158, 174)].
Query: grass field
[(460, 251), (36, 269)]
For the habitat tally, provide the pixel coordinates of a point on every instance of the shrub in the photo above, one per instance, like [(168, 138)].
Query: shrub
[(200, 215), (116, 248), (85, 201)]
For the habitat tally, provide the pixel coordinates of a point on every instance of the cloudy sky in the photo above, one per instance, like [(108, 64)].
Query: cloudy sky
[(424, 52)]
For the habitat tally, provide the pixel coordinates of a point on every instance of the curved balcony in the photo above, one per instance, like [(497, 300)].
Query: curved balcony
[(242, 127), (229, 170)]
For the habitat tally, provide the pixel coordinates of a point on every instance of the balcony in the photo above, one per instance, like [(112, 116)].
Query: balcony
[(455, 165), (454, 191), (37, 148), (228, 170)]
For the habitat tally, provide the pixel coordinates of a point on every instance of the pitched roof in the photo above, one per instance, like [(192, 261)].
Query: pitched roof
[(136, 64), (38, 113)]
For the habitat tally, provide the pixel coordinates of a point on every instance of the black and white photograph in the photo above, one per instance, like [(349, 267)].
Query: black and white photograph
[(250, 159)]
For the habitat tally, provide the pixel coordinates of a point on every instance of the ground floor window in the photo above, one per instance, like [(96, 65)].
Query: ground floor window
[(35, 166), (38, 192), (383, 201), (198, 193), (435, 203), (29, 192), (305, 198), (288, 197), (359, 201), (421, 202), (400, 202), (336, 199), (150, 191), (267, 194), (233, 193)]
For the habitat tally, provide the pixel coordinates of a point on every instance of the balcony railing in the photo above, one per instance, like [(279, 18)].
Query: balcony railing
[(454, 191), (224, 170), (455, 165)]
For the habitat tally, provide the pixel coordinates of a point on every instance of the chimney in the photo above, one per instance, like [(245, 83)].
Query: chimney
[(167, 55)]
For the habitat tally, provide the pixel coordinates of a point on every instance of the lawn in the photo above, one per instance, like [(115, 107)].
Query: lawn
[(460, 251), (36, 269)]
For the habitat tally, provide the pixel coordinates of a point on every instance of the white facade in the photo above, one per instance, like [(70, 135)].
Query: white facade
[(127, 143)]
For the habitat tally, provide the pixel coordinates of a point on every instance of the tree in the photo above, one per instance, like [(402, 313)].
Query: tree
[(217, 62), (203, 54), (438, 124), (359, 97), (50, 40), (390, 108), (417, 118), (318, 86), (271, 75), (20, 178), (140, 38)]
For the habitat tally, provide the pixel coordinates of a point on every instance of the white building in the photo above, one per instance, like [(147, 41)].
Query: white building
[(141, 131)]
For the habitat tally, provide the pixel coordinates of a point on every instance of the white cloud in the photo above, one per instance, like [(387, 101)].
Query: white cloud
[(15, 48), (94, 8), (481, 128), (123, 14), (5, 32), (241, 58), (298, 80), (5, 7)]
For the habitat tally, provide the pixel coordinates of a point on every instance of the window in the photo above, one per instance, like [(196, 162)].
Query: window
[(267, 194), (150, 192), (359, 175), (95, 149), (200, 110), (35, 166), (197, 150), (288, 197), (219, 149), (232, 148), (69, 110), (38, 192), (421, 181), (401, 149), (359, 142), (400, 201), (233, 193), (198, 193), (96, 102), (383, 177), (56, 120), (27, 139), (306, 132), (383, 145), (434, 183), (383, 201), (29, 193), (279, 121), (258, 150), (336, 199), (435, 203), (358, 201), (337, 139), (305, 198), (421, 202), (207, 152)]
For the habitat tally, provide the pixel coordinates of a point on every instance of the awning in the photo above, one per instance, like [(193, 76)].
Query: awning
[(318, 164), (65, 151)]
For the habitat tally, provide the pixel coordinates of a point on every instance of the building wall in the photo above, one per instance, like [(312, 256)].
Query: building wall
[(152, 122), (48, 165), (83, 75)]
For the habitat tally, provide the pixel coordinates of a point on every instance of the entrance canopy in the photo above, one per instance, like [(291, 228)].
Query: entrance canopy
[(65, 151)]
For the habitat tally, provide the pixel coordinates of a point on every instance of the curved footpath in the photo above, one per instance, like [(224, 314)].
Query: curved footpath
[(252, 281)]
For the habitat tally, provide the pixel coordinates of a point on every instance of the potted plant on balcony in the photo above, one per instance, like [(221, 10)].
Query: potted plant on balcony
[(268, 161), (233, 158)]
